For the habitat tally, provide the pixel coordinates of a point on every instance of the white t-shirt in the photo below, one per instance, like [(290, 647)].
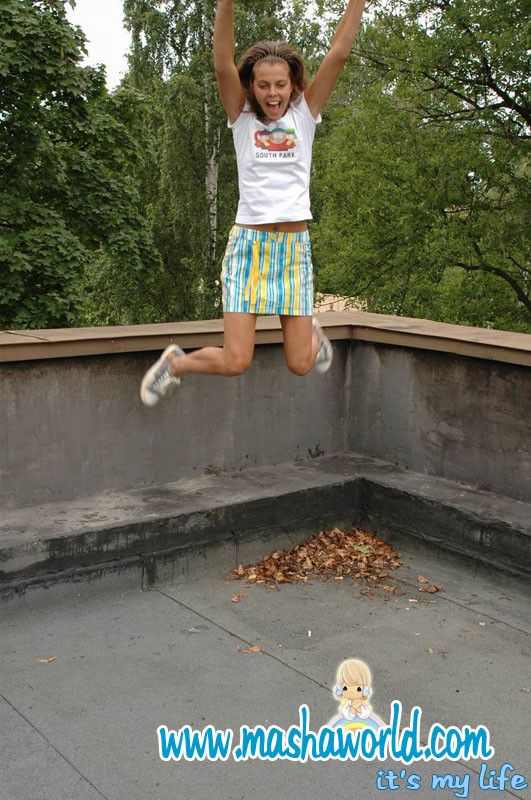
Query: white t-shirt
[(274, 163)]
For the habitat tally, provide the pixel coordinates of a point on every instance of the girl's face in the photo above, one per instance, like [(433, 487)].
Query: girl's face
[(272, 87)]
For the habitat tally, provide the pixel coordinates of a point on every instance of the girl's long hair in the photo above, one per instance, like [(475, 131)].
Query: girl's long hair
[(271, 53)]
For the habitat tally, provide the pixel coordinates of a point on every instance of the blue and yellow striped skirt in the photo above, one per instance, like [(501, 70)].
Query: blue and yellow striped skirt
[(268, 272)]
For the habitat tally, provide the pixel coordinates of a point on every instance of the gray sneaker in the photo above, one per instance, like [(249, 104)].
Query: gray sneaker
[(158, 380), (325, 354)]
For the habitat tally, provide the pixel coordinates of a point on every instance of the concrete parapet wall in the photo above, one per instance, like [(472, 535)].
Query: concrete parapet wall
[(438, 399), (460, 418), (74, 427)]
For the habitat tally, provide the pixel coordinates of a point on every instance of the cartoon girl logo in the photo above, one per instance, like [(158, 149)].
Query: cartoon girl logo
[(353, 688), (275, 140)]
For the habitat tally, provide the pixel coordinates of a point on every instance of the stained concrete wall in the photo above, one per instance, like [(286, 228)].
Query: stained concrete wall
[(461, 418), (74, 427)]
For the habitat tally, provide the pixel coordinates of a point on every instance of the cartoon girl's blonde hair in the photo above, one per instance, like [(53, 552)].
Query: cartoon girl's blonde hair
[(355, 673)]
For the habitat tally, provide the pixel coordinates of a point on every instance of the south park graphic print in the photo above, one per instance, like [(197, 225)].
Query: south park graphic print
[(279, 143)]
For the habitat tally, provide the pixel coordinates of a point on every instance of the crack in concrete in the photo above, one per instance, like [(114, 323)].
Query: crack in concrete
[(240, 639), (27, 335), (54, 748), (465, 607)]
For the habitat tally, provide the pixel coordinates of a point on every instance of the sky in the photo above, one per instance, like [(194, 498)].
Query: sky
[(108, 41)]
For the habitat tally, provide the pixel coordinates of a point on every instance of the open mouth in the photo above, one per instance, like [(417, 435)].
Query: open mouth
[(273, 106)]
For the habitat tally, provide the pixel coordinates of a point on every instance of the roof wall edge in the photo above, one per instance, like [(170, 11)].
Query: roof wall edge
[(505, 346)]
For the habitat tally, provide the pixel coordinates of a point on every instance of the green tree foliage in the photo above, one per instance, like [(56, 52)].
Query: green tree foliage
[(424, 176), (72, 237), (115, 208)]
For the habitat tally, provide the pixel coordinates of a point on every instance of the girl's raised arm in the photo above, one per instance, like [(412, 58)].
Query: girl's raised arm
[(321, 88), (230, 90)]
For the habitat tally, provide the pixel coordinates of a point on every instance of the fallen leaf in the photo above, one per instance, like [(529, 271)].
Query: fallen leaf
[(251, 649), (240, 569), (430, 651), (421, 579), (47, 660), (438, 587), (413, 600), (482, 623), (237, 597)]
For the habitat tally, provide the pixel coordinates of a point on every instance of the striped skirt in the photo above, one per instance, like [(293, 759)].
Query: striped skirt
[(267, 272)]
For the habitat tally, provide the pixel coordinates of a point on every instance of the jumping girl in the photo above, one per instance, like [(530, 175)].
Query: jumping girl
[(267, 267)]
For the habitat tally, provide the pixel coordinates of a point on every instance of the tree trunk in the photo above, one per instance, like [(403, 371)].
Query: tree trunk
[(212, 143), (212, 137)]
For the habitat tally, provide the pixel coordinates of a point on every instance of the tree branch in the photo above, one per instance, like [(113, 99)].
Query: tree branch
[(519, 266), (501, 273)]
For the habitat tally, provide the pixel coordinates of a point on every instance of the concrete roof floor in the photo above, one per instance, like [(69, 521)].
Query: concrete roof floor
[(84, 726)]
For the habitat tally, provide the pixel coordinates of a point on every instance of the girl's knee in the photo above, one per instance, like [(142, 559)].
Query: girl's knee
[(237, 365), (300, 366)]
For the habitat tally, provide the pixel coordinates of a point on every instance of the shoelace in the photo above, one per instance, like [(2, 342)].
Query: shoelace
[(164, 376)]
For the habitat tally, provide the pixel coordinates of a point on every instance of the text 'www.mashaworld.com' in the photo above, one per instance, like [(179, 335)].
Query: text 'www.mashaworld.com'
[(300, 743)]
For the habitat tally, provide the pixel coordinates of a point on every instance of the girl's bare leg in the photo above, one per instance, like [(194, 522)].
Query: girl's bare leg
[(300, 343), (231, 359)]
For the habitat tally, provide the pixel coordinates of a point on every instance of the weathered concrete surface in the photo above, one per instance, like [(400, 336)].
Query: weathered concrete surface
[(151, 526), (464, 419), (85, 725), (145, 524), (72, 428)]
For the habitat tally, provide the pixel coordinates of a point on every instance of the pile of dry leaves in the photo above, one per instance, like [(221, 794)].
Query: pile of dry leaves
[(332, 553)]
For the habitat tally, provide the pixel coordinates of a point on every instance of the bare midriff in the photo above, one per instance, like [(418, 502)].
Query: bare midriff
[(284, 227)]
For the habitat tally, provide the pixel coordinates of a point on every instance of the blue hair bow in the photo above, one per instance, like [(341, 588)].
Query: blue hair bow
[(338, 689)]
